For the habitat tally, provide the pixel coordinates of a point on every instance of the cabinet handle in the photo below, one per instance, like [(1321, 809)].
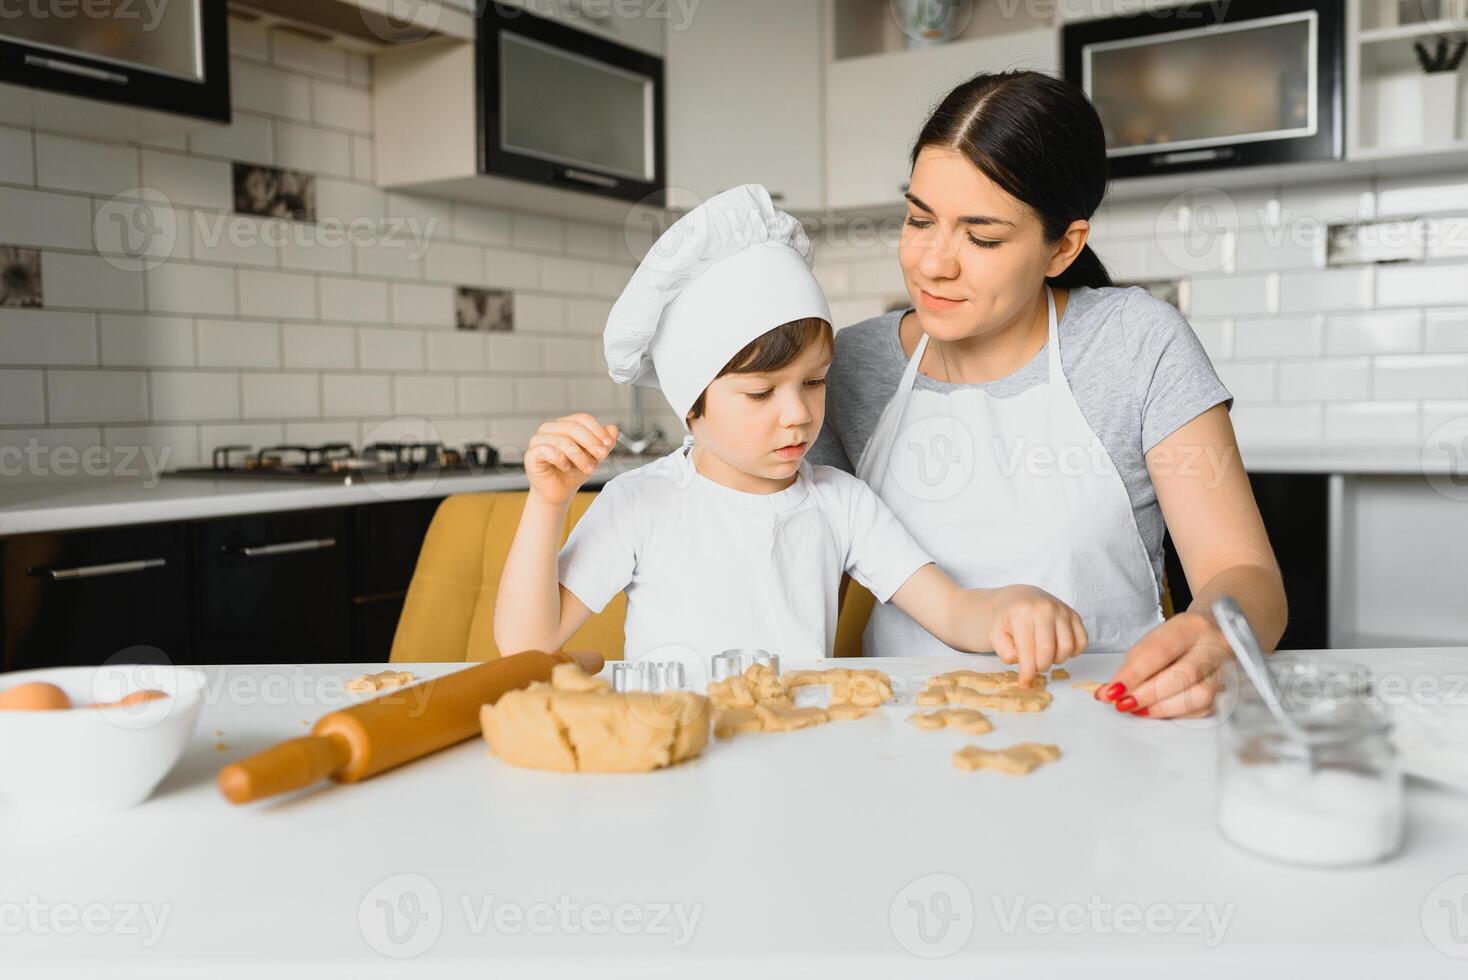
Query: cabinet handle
[(287, 547), (99, 571), (582, 177), (72, 68)]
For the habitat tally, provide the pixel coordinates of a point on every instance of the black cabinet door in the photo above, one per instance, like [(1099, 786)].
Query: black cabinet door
[(1296, 512), (87, 597), (389, 537), (276, 588)]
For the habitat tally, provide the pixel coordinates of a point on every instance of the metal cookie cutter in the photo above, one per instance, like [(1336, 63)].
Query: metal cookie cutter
[(733, 662), (651, 676)]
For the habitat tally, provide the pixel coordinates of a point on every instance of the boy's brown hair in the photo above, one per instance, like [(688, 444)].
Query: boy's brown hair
[(773, 350)]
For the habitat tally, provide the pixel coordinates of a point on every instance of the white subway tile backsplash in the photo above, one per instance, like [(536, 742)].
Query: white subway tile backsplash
[(280, 396), (1424, 194), (460, 264), (359, 69), (427, 306), (146, 341), (1286, 337), (574, 355), (248, 39), (1331, 380), (347, 395), (313, 150), (432, 217), (233, 239), (89, 282), (96, 396), (586, 315), (353, 300), (186, 180), (320, 433), (1287, 246), (67, 164), (277, 294), (30, 336), (269, 91), (1422, 285), (564, 275), (506, 269), (341, 106), (43, 220), (239, 344), (348, 201), (1406, 376), (133, 234), (608, 278), (1216, 336), (177, 287), (303, 52), (310, 248), (307, 345), (537, 231), (1447, 331), (479, 395), (1250, 382), (458, 350), (147, 450), (1376, 333), (538, 313), (1316, 204), (1378, 425), (1232, 296), (22, 397), (511, 353), (17, 157), (424, 395), (384, 259), (390, 349), (487, 226), (247, 138), (255, 434), (541, 396), (1331, 289), (1437, 414), (363, 165), (1277, 426)]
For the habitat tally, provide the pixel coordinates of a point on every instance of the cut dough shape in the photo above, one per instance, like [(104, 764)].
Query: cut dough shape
[(1060, 674), (865, 688), (1017, 760), (767, 718), (384, 680), (575, 724), (996, 690), (757, 685), (966, 720), (1091, 686), (846, 711)]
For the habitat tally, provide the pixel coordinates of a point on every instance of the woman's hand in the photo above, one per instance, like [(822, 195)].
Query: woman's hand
[(563, 453), (1034, 629), (1175, 671)]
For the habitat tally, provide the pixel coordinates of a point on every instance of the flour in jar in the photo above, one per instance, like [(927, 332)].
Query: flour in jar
[(1329, 817)]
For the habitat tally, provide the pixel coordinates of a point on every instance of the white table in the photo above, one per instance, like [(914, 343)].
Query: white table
[(796, 853)]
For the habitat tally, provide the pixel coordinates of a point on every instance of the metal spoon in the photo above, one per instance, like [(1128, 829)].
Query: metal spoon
[(1245, 645)]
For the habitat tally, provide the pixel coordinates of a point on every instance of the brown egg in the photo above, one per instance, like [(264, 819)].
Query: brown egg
[(135, 698), (35, 696)]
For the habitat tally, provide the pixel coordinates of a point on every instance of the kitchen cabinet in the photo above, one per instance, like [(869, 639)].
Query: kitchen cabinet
[(85, 597), (876, 104), (745, 87), (276, 588), (388, 539), (120, 76)]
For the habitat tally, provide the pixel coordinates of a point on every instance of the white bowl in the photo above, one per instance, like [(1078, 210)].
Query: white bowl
[(97, 759)]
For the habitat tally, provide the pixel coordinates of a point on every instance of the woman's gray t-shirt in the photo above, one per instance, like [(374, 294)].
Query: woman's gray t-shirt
[(1134, 364)]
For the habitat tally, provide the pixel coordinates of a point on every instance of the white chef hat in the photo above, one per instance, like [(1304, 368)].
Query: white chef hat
[(725, 273)]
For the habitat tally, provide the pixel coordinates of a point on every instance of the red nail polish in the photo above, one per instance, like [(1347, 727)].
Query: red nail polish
[(1140, 712), (1127, 703), (1113, 692)]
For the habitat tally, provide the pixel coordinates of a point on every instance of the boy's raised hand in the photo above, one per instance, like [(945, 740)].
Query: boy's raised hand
[(563, 453), (1034, 629)]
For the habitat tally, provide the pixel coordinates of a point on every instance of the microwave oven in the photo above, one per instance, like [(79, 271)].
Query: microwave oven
[(562, 107), (1209, 85)]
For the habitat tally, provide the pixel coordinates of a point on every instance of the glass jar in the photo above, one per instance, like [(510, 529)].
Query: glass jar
[(1335, 801)]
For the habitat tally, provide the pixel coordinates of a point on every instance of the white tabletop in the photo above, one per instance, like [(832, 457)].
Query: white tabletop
[(770, 854)]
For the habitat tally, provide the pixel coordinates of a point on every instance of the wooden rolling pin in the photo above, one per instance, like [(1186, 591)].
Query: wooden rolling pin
[(396, 727)]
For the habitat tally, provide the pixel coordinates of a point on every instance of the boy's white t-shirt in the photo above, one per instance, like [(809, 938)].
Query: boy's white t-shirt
[(707, 568)]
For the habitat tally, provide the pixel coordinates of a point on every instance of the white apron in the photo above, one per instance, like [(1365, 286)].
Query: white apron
[(1010, 491)]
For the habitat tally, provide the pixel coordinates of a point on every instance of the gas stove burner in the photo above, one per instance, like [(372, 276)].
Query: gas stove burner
[(340, 462)]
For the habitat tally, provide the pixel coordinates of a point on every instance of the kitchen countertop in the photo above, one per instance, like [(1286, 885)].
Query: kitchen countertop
[(764, 854), (30, 506)]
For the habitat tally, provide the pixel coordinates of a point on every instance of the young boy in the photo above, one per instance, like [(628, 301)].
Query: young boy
[(733, 540)]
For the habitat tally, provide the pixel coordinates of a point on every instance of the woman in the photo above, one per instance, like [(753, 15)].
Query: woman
[(1029, 422)]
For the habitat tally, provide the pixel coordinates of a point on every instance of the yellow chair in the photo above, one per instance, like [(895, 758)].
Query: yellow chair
[(448, 614)]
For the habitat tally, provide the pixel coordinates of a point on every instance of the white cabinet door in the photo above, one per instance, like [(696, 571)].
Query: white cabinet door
[(744, 100), (876, 104)]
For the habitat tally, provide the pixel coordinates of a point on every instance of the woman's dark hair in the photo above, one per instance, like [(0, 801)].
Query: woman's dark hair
[(1041, 140), (773, 350)]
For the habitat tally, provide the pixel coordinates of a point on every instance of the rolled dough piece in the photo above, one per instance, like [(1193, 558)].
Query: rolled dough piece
[(1017, 760), (966, 720), (998, 690), (1091, 686), (384, 680), (575, 724)]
